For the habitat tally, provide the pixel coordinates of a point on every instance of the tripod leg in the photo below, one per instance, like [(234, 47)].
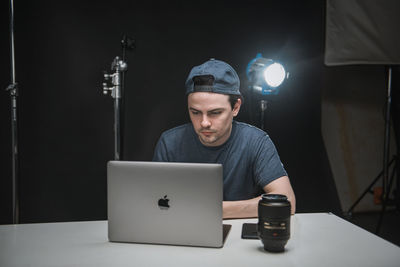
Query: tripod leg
[(349, 212)]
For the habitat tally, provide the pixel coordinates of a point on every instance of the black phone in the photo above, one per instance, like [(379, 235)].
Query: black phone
[(249, 231)]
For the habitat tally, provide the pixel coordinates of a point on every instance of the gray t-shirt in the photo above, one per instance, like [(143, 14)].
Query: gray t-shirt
[(249, 158)]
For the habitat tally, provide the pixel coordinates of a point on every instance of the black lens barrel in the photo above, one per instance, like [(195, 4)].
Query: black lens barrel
[(274, 221)]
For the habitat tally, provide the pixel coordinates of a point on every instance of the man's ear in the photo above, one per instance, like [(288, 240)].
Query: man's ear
[(236, 107)]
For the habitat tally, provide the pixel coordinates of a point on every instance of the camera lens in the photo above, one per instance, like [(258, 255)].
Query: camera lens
[(274, 221)]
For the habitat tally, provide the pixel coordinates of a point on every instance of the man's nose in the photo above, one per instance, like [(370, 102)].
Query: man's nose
[(205, 122)]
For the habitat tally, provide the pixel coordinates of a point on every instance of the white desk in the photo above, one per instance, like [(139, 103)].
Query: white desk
[(318, 239)]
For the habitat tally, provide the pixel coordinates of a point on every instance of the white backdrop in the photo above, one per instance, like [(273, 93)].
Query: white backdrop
[(362, 32)]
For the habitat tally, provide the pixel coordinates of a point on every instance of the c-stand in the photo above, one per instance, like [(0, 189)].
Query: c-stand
[(387, 184), (114, 83)]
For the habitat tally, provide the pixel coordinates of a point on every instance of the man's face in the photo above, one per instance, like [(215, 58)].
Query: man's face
[(211, 115)]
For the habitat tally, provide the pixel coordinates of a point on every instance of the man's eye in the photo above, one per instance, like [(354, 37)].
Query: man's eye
[(215, 113), (195, 112)]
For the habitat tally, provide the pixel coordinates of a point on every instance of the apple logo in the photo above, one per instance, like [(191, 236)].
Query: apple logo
[(163, 203)]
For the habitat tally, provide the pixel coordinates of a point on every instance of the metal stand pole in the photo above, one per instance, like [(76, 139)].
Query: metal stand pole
[(127, 43), (117, 126), (119, 66), (13, 89), (263, 108), (386, 151), (117, 91)]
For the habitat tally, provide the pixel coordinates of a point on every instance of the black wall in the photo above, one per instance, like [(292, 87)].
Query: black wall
[(66, 123)]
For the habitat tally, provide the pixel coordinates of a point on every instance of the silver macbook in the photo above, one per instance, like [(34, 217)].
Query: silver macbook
[(165, 203)]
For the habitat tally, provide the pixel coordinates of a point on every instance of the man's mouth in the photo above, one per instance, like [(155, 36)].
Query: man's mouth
[(207, 133)]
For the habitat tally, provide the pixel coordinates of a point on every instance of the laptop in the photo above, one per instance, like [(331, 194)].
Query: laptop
[(165, 203)]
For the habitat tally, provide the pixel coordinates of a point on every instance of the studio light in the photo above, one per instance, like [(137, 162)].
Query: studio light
[(265, 78), (265, 75)]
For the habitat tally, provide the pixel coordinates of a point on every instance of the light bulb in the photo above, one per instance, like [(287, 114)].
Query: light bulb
[(274, 74)]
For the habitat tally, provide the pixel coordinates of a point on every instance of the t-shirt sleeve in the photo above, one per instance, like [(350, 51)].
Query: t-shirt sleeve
[(267, 165), (161, 152)]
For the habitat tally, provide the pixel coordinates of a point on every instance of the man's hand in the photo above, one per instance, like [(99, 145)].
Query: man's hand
[(249, 208)]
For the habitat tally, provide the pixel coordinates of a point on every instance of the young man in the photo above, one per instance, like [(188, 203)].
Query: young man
[(251, 165)]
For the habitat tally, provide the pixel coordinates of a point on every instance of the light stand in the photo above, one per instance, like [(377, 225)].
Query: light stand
[(386, 187), (118, 66), (114, 84), (127, 43), (386, 182), (13, 89)]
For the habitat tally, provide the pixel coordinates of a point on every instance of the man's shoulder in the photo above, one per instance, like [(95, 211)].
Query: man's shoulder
[(177, 132), (249, 130)]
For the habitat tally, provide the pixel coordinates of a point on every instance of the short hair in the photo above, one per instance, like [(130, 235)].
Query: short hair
[(233, 99), (209, 80)]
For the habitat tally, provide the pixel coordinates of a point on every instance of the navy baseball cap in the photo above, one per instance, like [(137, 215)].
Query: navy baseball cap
[(226, 80)]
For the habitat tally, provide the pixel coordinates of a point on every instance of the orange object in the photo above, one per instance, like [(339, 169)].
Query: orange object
[(378, 195)]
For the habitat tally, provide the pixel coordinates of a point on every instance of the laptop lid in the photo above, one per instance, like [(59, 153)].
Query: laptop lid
[(165, 203)]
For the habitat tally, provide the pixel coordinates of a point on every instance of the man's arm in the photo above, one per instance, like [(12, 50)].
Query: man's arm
[(249, 208), (282, 186)]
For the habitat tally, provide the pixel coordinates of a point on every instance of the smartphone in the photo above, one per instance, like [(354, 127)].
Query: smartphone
[(249, 231)]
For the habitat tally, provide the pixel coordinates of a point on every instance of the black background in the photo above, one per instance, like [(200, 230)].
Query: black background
[(66, 123)]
